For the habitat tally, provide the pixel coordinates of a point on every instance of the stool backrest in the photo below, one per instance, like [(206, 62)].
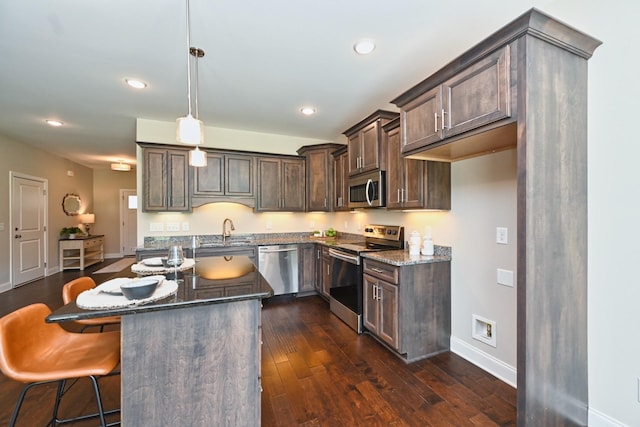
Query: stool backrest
[(72, 289), (24, 337)]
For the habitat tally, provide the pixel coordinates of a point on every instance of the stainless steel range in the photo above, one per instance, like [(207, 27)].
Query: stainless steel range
[(345, 299)]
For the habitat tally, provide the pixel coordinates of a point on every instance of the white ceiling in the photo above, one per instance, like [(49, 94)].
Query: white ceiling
[(264, 59)]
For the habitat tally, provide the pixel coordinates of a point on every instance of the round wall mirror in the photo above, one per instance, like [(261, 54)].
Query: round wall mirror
[(71, 204)]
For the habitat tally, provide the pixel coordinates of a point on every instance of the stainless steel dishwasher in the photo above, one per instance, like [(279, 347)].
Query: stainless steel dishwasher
[(279, 265)]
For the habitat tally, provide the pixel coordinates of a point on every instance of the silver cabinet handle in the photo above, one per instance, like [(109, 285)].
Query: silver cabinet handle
[(377, 270), (435, 122), (443, 124)]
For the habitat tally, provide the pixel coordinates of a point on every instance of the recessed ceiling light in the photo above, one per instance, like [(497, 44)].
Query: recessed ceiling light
[(308, 111), (54, 123), (137, 84), (364, 46)]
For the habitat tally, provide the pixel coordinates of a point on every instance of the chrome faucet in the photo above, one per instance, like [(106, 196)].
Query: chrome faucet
[(226, 233)]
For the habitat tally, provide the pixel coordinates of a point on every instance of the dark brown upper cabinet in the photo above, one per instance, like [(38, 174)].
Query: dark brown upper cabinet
[(228, 177), (319, 171), (165, 179), (341, 179), (412, 183), (281, 184), (365, 143)]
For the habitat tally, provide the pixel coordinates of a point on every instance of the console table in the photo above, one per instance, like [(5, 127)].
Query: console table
[(81, 252)]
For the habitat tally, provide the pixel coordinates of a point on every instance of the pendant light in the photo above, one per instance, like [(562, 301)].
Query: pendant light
[(189, 129)]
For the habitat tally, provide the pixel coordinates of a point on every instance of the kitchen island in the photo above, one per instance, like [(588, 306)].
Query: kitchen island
[(193, 358)]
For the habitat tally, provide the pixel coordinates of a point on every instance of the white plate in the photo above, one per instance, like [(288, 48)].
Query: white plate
[(153, 262)]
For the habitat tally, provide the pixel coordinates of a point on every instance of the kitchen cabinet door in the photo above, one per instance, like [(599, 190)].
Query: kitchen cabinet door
[(369, 303), (307, 268), (421, 120), (388, 313), (293, 185), (281, 184), (326, 273), (269, 177), (209, 180), (341, 181), (165, 180), (478, 95), (365, 143), (320, 178), (239, 175)]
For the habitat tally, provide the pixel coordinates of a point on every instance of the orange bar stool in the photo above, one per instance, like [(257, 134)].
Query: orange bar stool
[(70, 292), (35, 352)]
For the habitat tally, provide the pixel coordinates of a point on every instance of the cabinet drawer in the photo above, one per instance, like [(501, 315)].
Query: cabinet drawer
[(382, 271), (90, 243)]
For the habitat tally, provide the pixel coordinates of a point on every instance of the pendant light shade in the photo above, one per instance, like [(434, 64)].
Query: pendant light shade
[(189, 130), (197, 158)]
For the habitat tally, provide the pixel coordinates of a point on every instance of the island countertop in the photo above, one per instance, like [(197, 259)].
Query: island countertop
[(213, 280)]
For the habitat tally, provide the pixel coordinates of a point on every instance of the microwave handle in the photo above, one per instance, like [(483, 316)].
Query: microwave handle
[(366, 191)]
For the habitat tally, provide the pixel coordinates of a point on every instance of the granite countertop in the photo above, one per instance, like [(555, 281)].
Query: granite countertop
[(215, 241), (402, 257), (241, 271)]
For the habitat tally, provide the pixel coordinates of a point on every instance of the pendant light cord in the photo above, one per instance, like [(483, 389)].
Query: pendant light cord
[(189, 61)]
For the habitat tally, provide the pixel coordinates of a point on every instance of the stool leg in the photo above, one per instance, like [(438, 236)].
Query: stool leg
[(96, 389), (56, 405), (14, 416)]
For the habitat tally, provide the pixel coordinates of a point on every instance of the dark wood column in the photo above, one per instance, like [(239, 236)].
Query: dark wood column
[(552, 224)]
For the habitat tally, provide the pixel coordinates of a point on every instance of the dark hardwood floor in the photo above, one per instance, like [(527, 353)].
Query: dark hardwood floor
[(315, 372)]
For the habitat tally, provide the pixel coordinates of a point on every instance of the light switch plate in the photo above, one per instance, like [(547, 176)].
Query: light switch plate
[(173, 226), (502, 235)]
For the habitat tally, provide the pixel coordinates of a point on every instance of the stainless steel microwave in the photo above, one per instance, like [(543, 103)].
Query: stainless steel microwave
[(367, 190)]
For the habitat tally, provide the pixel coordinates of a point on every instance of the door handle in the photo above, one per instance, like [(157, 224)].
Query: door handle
[(18, 236)]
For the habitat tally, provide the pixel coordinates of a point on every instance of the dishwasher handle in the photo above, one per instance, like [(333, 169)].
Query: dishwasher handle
[(275, 249)]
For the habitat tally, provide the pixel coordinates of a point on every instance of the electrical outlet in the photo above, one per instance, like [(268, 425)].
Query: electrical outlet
[(269, 225), (502, 235), (156, 226), (185, 226)]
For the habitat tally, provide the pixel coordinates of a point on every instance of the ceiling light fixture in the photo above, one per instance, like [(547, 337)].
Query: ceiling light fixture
[(54, 123), (122, 167), (308, 111), (190, 130), (136, 84), (364, 46)]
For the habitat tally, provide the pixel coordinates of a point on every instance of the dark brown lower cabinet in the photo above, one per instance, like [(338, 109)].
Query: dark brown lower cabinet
[(307, 269), (408, 307)]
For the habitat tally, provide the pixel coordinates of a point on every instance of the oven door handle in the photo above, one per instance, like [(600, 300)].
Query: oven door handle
[(352, 259)]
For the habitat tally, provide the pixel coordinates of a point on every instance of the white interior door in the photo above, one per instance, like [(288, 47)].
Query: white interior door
[(28, 228), (128, 222)]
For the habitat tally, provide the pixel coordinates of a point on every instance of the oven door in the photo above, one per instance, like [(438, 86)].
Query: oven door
[(345, 292)]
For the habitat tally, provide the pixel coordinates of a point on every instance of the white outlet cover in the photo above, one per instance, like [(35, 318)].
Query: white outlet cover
[(504, 277), (173, 226)]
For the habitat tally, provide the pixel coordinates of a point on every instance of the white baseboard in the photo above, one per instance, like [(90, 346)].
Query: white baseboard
[(598, 419), (5, 286), (495, 367)]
